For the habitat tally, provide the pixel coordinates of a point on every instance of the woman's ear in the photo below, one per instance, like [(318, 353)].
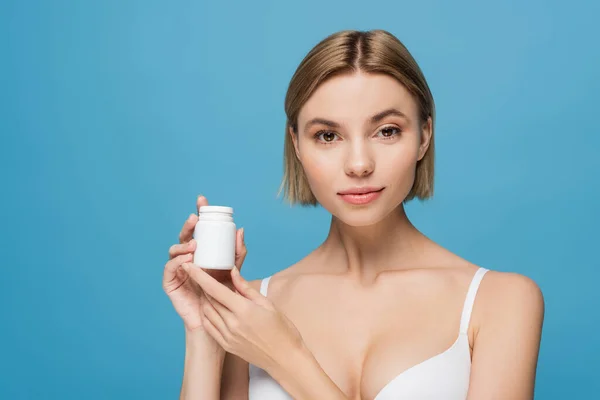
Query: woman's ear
[(426, 132), (294, 138)]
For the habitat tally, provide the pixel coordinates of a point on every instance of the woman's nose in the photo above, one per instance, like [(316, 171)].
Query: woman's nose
[(359, 161)]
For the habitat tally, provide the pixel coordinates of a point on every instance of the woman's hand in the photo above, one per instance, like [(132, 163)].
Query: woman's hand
[(245, 323), (185, 294)]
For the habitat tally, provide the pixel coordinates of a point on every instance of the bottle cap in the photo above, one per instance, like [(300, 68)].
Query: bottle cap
[(216, 209)]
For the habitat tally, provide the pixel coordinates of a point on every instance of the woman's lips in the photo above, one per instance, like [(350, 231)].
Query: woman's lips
[(360, 199)]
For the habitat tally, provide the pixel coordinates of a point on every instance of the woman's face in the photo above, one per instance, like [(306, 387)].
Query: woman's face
[(360, 132)]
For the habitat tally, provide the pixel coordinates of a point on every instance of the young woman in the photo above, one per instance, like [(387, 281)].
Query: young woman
[(378, 310)]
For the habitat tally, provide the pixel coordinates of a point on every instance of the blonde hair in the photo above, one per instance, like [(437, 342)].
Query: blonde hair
[(346, 52)]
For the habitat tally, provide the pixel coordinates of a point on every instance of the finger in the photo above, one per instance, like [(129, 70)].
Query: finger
[(215, 318), (240, 248), (173, 265), (201, 201), (214, 288), (188, 228), (214, 333), (179, 249), (187, 231), (244, 288), (224, 313)]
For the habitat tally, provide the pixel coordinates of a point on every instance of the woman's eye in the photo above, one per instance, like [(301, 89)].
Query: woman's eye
[(327, 137), (389, 132)]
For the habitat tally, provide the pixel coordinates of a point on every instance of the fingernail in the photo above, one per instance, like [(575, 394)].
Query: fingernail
[(185, 266), (242, 234)]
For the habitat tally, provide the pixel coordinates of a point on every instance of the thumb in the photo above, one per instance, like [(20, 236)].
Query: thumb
[(243, 287), (240, 248)]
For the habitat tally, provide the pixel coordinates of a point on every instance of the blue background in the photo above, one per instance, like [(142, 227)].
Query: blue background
[(114, 115)]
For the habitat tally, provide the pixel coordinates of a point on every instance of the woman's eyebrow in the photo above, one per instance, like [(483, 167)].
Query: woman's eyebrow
[(373, 120), (390, 111), (321, 121)]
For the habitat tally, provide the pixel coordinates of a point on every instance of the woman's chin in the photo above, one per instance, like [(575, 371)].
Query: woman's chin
[(360, 217)]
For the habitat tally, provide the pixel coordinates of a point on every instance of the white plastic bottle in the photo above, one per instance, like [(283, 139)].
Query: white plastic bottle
[(215, 234)]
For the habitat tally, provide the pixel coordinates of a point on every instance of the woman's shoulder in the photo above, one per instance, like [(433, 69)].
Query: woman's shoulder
[(508, 300), (510, 288), (284, 276), (504, 302), (511, 291), (494, 283), (276, 278)]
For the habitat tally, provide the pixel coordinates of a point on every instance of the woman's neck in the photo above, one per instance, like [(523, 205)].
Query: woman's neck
[(363, 252)]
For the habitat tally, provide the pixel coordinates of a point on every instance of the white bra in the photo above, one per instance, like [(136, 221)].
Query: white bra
[(443, 376)]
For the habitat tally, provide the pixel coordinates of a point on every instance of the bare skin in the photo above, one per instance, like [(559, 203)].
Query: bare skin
[(417, 316), (378, 296)]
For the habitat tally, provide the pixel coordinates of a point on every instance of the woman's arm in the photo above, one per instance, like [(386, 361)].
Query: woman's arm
[(507, 342), (247, 324), (202, 369), (302, 377), (235, 379)]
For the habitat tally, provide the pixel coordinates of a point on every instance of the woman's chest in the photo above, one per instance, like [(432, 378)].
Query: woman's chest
[(365, 342)]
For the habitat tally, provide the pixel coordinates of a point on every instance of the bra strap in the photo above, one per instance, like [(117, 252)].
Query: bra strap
[(470, 300), (264, 285)]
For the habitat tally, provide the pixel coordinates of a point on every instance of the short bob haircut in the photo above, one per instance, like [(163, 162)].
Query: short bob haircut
[(348, 52)]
